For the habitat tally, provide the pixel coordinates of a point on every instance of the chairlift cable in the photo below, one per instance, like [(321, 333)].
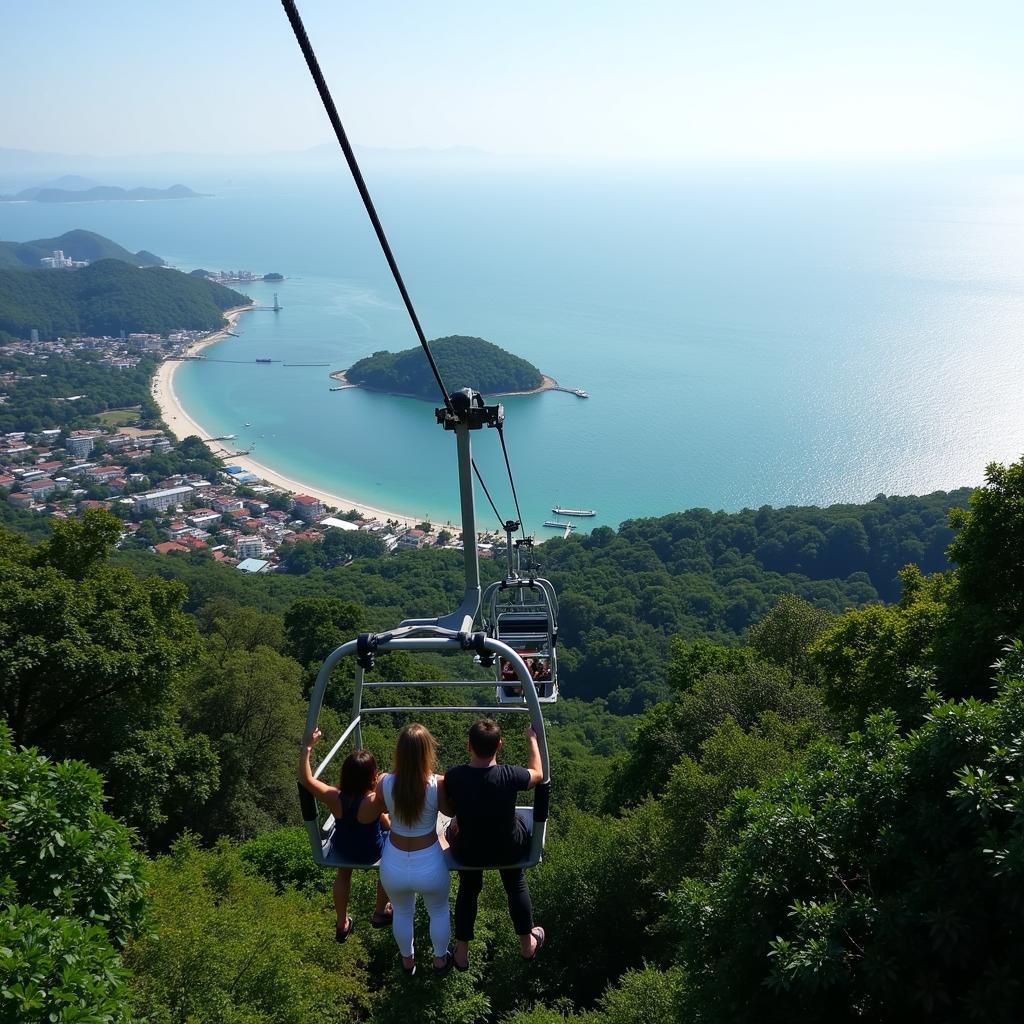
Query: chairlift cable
[(511, 480), (479, 477), (332, 113)]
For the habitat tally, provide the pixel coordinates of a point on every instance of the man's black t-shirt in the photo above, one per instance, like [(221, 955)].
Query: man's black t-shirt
[(485, 804)]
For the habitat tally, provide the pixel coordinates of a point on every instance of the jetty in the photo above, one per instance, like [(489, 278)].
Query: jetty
[(555, 525)]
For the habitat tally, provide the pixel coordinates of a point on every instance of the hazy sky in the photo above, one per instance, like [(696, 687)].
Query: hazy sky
[(647, 78)]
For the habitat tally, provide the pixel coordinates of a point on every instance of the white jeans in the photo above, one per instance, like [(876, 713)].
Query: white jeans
[(403, 875)]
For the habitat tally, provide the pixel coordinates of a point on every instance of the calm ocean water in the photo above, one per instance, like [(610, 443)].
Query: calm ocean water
[(747, 338)]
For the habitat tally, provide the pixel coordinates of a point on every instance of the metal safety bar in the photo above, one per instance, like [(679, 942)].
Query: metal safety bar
[(320, 845), (478, 708), (484, 683), (337, 746)]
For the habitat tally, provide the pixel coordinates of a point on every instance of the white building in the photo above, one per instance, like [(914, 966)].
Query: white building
[(58, 261), (249, 547), (159, 501)]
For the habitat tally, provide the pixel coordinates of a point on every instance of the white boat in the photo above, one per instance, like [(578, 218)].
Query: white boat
[(573, 512)]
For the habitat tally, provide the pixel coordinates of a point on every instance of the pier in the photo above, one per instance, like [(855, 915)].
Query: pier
[(210, 359)]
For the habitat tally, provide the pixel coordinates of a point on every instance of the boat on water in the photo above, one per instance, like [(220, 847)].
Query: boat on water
[(248, 424), (559, 526), (580, 393), (264, 360), (574, 512)]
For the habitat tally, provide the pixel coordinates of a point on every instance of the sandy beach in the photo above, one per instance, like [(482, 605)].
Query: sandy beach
[(182, 425)]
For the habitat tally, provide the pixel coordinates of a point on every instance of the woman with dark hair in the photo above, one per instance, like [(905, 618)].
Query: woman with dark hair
[(413, 861), (360, 827)]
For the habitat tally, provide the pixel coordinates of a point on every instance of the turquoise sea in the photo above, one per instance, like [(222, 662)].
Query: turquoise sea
[(748, 336)]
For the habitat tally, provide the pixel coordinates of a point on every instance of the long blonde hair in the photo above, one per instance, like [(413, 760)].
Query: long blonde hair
[(415, 758)]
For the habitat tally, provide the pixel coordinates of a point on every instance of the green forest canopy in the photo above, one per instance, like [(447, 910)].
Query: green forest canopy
[(76, 245), (107, 297), (757, 859), (38, 398), (463, 362)]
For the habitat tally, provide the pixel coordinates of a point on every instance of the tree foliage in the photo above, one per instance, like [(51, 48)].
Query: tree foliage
[(88, 653), (35, 396), (109, 296), (228, 949), (881, 881)]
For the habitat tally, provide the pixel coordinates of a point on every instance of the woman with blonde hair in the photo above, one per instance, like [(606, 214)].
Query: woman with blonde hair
[(413, 861)]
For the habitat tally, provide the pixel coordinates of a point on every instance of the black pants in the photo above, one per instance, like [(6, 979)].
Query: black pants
[(519, 907)]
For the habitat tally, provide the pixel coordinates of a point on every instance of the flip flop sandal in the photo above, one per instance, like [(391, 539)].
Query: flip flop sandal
[(341, 934), (382, 920), (538, 933), (408, 970), (449, 963)]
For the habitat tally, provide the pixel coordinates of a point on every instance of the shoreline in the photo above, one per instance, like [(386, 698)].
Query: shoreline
[(546, 384), (181, 424)]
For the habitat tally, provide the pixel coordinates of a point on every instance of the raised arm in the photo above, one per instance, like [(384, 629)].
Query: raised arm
[(533, 762), (329, 796)]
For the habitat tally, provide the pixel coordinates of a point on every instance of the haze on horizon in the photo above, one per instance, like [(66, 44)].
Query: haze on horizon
[(657, 81)]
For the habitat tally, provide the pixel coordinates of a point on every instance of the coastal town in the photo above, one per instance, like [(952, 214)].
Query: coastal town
[(176, 497)]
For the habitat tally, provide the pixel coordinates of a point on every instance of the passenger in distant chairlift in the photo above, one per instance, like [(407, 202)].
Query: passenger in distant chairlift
[(508, 672), (540, 672), (360, 829), (487, 830)]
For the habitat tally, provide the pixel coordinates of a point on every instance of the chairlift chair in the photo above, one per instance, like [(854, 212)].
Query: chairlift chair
[(523, 613), (449, 633)]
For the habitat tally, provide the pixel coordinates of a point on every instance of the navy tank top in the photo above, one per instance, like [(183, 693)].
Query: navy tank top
[(353, 841)]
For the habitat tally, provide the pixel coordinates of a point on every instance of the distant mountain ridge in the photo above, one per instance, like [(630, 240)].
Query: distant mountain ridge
[(76, 245), (96, 193)]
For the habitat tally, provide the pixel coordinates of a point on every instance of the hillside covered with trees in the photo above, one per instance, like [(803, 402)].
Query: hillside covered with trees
[(37, 397), (625, 595), (76, 245), (463, 362), (820, 819), (107, 297)]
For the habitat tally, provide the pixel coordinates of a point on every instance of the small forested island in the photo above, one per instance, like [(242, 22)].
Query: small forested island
[(463, 362), (107, 297), (76, 245), (91, 193)]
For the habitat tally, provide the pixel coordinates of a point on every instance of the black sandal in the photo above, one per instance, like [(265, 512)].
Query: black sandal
[(449, 963), (341, 934), (408, 970), (538, 933), (382, 920)]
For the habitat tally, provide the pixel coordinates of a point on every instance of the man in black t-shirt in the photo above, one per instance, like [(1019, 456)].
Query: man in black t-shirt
[(482, 796)]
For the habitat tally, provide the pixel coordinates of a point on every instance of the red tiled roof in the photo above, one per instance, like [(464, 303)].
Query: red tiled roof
[(168, 546)]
